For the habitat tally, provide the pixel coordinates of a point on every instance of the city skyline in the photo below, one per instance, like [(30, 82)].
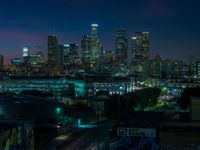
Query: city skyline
[(173, 26)]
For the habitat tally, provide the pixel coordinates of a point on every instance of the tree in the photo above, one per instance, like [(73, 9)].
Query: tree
[(184, 100), (137, 100), (147, 97)]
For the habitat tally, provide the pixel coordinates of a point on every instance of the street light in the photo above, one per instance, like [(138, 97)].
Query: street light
[(58, 110)]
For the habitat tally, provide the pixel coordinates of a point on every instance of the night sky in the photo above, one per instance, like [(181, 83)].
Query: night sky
[(174, 25)]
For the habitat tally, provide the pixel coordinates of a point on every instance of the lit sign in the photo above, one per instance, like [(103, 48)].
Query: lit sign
[(142, 132)]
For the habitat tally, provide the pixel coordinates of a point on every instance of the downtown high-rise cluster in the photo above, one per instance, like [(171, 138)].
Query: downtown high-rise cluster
[(94, 59), (91, 58)]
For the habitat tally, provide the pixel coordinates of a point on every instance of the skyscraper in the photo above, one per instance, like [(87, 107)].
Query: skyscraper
[(36, 60), (166, 68), (140, 53), (52, 50), (191, 66), (70, 54), (106, 65), (26, 55), (95, 48), (60, 59), (176, 70), (156, 67), (91, 49), (25, 51), (198, 69), (121, 44), (1, 61), (85, 49), (55, 52), (70, 50)]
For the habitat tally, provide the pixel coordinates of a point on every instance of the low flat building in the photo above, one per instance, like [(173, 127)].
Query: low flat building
[(155, 130), (29, 108), (69, 86), (137, 130)]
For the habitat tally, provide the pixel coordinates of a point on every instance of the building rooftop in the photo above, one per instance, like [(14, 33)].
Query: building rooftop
[(142, 119), (25, 99)]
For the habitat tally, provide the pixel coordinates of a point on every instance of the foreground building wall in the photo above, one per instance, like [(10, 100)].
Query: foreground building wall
[(18, 137)]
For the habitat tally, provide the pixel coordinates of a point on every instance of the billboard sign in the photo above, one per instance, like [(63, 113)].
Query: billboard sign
[(141, 132)]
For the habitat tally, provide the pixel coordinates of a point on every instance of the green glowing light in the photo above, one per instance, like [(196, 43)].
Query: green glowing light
[(58, 110)]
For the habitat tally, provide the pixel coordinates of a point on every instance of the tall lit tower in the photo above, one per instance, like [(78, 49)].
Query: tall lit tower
[(94, 31), (1, 61), (26, 55), (141, 45), (191, 66), (85, 49), (25, 51), (198, 69), (121, 44), (70, 52), (140, 52), (95, 49), (121, 47), (53, 51)]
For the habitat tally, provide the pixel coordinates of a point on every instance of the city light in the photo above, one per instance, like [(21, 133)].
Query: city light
[(134, 38), (100, 75), (25, 51), (58, 110), (94, 25), (66, 45)]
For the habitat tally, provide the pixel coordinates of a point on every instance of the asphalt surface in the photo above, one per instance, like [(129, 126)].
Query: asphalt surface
[(86, 139)]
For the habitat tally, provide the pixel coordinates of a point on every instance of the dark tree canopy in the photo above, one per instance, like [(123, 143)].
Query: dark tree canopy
[(184, 100), (141, 99)]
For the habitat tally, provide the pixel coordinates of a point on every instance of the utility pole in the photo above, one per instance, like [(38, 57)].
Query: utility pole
[(118, 105), (97, 126), (27, 71), (2, 80)]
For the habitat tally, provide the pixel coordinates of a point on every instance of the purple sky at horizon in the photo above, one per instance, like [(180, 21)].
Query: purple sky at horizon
[(173, 25)]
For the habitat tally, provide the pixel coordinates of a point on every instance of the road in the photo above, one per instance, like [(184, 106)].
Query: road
[(87, 139)]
